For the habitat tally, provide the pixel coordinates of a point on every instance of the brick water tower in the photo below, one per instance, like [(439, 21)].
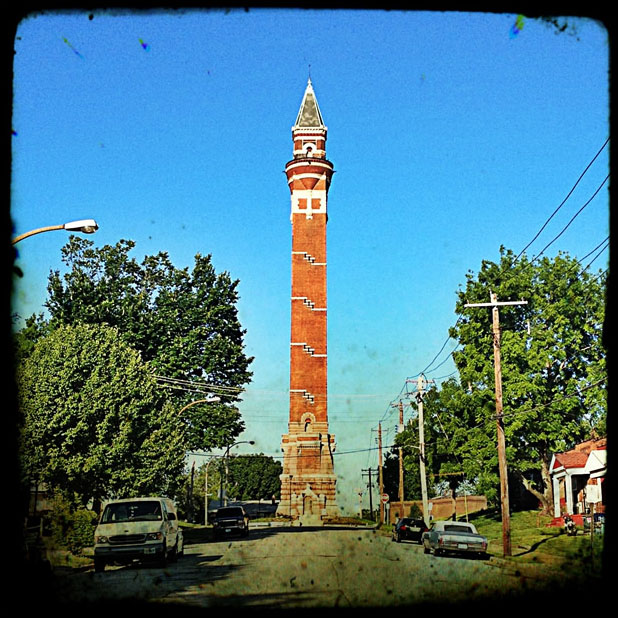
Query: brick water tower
[(308, 480)]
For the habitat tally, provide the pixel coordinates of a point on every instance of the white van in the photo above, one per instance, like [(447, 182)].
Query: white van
[(144, 529)]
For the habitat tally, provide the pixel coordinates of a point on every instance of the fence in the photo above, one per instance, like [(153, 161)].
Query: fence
[(440, 508)]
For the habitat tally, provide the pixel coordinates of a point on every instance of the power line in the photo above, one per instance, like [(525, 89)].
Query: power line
[(565, 199), (605, 242), (571, 221), (541, 230)]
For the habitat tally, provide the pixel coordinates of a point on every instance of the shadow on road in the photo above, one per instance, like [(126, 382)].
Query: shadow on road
[(194, 536)]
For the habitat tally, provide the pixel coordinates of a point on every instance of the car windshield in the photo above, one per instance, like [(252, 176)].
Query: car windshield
[(131, 511), (232, 511)]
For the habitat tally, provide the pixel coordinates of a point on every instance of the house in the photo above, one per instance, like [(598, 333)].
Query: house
[(577, 478)]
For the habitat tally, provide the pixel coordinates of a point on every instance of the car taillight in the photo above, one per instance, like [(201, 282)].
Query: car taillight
[(403, 528)]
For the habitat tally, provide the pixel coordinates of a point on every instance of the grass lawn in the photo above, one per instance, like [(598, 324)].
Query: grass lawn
[(534, 543)]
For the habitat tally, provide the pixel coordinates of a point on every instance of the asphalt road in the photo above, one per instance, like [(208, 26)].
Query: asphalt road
[(283, 568)]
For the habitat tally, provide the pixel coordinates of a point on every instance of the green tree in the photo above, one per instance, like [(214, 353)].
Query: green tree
[(94, 422), (408, 440), (445, 461), (184, 323), (190, 498), (254, 477), (553, 367), (459, 445)]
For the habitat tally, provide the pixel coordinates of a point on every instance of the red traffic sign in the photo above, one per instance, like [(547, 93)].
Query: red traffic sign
[(384, 498)]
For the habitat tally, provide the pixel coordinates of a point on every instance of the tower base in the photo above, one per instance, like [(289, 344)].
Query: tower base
[(308, 482)]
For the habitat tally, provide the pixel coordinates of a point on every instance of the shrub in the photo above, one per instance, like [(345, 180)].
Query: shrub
[(415, 512), (81, 530), (71, 528)]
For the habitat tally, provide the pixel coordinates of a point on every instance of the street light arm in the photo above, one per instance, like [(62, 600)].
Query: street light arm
[(225, 461), (39, 230), (193, 403)]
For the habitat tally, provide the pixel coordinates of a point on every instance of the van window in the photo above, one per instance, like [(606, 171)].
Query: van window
[(131, 511)]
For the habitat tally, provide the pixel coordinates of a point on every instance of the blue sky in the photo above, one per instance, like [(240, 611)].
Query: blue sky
[(450, 134)]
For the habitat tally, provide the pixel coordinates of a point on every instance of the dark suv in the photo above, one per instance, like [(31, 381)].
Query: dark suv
[(231, 520), (409, 529)]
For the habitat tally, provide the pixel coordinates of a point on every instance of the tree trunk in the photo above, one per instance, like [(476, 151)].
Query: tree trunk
[(546, 497), (548, 503)]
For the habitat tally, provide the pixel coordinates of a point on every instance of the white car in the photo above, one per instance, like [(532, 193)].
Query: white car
[(144, 529), (454, 537)]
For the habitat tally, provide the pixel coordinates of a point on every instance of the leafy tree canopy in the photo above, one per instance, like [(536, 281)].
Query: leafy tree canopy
[(553, 374), (94, 422), (254, 477), (184, 323)]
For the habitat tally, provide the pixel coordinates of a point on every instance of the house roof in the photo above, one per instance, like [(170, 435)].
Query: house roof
[(582, 456), (591, 445), (570, 459), (597, 462)]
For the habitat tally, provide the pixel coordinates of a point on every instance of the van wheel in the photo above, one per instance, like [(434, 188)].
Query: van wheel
[(163, 558), (99, 565)]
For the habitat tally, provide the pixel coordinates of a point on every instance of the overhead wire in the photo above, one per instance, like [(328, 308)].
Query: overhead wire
[(427, 369), (564, 229), (565, 199), (603, 245)]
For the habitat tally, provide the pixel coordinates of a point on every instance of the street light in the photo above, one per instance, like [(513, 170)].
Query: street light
[(86, 226), (226, 457), (211, 399), (206, 492), (193, 403)]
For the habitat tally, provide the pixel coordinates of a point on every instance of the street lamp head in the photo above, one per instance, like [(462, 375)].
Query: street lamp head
[(86, 226)]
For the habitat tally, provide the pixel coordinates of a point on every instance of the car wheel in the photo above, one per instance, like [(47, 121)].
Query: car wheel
[(163, 558), (99, 565)]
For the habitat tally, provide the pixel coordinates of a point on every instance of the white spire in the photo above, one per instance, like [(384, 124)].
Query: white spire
[(309, 114)]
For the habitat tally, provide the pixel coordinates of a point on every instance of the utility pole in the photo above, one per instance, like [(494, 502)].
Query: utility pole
[(504, 486), (380, 477), (401, 461), (420, 393), (370, 486)]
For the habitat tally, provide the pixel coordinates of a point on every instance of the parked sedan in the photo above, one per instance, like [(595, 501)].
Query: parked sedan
[(455, 537), (409, 529)]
